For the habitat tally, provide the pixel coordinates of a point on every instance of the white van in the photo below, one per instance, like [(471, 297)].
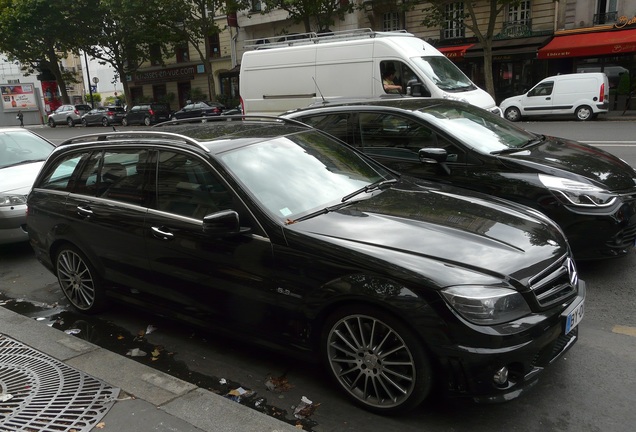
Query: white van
[(584, 95), (293, 73)]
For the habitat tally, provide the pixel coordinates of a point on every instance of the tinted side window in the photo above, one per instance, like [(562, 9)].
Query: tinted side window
[(118, 175), (58, 175), (397, 136), (338, 124), (187, 186)]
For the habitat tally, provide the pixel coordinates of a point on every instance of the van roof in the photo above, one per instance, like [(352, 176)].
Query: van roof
[(314, 38)]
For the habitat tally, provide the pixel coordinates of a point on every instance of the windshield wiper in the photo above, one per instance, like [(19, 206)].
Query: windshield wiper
[(344, 201), (531, 142), (368, 188)]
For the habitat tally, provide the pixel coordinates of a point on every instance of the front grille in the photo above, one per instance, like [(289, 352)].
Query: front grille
[(556, 283)]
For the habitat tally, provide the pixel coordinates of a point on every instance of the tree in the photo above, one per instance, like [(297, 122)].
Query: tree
[(321, 12), (484, 30), (40, 33), (129, 32), (194, 24)]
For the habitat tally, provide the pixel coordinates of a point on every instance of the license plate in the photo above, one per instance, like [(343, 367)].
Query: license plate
[(574, 318)]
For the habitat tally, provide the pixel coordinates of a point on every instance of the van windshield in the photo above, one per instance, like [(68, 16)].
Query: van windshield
[(443, 73)]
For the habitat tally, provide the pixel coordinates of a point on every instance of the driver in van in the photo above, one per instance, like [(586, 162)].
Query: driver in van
[(387, 80)]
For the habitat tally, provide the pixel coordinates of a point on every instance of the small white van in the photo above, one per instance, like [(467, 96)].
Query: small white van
[(293, 73), (584, 95)]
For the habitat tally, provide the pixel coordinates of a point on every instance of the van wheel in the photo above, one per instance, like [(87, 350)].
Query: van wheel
[(513, 114), (584, 113), (79, 280), (376, 359)]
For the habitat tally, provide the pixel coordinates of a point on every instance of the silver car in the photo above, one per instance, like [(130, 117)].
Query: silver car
[(22, 154), (69, 115)]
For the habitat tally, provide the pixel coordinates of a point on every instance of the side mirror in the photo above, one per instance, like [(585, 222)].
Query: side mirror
[(224, 223), (416, 89), (434, 155)]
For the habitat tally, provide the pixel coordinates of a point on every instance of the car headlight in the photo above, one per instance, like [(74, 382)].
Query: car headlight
[(484, 305), (572, 192), (12, 200)]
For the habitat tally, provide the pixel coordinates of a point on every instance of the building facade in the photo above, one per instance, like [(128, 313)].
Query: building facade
[(532, 39)]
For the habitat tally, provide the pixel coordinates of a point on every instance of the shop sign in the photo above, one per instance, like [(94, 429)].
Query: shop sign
[(184, 73), (624, 21), (18, 97)]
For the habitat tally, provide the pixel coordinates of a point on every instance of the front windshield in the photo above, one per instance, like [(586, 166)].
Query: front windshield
[(298, 174), (483, 131), (444, 73), (20, 147)]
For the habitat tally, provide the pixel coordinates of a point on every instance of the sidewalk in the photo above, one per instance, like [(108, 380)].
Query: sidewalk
[(148, 400)]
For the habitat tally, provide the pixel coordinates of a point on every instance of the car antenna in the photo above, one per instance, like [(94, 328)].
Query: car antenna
[(324, 101)]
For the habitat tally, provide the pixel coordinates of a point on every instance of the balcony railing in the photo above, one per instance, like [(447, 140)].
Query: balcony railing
[(605, 18)]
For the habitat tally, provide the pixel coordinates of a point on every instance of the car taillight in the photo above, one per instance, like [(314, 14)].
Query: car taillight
[(601, 97), (242, 106), (76, 112), (216, 110), (151, 112)]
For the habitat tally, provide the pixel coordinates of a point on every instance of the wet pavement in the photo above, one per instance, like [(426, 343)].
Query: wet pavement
[(149, 389)]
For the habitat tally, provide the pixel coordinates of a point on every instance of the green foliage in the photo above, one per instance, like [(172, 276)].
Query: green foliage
[(316, 15), (97, 98), (228, 101)]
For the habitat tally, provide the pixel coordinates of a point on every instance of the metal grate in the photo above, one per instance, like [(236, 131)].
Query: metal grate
[(46, 394)]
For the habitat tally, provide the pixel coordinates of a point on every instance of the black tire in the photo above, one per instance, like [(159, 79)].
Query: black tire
[(376, 359), (70, 122), (105, 122), (513, 114), (51, 123), (84, 123), (124, 122), (584, 113), (147, 121), (79, 280)]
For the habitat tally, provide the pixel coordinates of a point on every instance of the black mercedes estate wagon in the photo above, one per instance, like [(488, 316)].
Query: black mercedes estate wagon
[(278, 234)]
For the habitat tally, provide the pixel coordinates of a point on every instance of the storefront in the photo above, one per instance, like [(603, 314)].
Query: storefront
[(514, 62), (609, 49)]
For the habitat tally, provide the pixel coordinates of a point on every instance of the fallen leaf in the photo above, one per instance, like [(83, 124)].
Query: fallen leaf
[(100, 425)]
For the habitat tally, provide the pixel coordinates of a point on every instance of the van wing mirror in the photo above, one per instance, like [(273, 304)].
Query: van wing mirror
[(416, 89), (434, 155)]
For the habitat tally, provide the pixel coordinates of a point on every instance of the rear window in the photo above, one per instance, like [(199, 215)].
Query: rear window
[(160, 107), (83, 107)]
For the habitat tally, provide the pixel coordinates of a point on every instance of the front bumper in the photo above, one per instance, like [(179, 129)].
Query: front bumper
[(470, 370)]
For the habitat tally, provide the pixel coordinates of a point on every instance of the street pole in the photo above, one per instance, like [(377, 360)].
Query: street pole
[(88, 76)]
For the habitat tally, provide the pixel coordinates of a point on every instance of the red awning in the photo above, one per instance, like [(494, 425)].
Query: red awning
[(590, 44), (456, 52)]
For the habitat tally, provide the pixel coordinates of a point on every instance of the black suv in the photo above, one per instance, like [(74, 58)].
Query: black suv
[(277, 233), (147, 114)]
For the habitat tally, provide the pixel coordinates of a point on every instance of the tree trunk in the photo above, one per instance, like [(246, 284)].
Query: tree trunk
[(488, 74)]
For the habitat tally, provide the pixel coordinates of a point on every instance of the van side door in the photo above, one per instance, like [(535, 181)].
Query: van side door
[(539, 100)]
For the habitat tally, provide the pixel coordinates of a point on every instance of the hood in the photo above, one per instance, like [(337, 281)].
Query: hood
[(566, 158), (19, 179), (426, 228), (510, 100)]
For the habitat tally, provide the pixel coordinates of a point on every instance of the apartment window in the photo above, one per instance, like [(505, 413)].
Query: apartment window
[(182, 53), (606, 11), (215, 46), (454, 23), (390, 21), (155, 55), (520, 13), (257, 6)]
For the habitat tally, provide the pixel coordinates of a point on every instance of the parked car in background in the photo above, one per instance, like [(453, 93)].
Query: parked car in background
[(147, 114), (279, 234), (22, 154), (590, 193), (104, 116), (69, 115), (582, 95), (199, 109), (233, 111)]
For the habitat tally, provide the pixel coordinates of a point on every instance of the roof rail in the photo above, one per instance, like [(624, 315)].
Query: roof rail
[(313, 37)]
